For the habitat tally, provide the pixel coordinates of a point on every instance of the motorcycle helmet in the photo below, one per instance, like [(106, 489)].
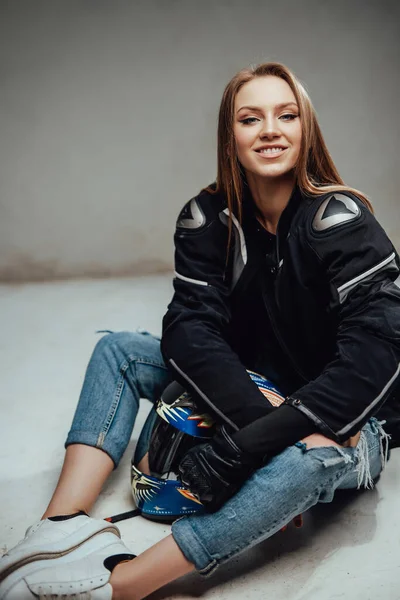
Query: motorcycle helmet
[(173, 426)]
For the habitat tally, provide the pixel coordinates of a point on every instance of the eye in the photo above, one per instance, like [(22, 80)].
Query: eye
[(247, 121), (288, 117)]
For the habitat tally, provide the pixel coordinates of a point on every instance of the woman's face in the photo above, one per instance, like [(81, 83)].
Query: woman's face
[(267, 127)]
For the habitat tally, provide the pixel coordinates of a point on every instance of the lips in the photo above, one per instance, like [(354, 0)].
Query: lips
[(271, 152)]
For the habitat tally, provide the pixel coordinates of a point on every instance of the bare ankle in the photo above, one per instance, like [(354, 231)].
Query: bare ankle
[(122, 590)]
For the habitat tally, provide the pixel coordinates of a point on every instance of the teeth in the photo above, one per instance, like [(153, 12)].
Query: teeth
[(270, 150)]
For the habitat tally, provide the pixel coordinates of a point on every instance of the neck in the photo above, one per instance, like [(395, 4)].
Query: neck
[(271, 197)]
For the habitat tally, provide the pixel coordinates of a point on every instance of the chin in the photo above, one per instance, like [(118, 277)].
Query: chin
[(272, 171)]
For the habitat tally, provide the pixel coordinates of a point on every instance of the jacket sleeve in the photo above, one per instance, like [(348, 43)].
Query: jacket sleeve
[(361, 268), (195, 338)]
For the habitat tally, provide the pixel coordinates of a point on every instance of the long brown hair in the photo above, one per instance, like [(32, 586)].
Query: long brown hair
[(315, 170)]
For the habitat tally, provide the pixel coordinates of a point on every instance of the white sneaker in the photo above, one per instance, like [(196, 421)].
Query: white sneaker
[(52, 538), (82, 574)]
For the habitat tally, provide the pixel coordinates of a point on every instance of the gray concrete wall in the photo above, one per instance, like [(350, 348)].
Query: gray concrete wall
[(108, 113)]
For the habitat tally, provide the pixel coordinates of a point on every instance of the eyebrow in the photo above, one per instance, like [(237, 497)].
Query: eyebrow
[(283, 105)]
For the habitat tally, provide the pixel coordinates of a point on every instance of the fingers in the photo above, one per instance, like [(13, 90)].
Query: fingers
[(317, 440), (297, 522)]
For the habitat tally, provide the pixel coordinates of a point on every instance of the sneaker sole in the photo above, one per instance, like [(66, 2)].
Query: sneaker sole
[(84, 550), (56, 553)]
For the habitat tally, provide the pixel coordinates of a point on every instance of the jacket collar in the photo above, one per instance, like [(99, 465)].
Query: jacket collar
[(290, 210)]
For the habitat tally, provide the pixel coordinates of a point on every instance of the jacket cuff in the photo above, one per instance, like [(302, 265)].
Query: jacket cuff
[(318, 422)]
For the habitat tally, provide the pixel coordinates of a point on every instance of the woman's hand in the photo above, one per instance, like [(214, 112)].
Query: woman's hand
[(215, 471), (316, 440)]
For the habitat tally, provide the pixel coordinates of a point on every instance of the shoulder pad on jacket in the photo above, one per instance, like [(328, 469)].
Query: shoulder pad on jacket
[(199, 212), (191, 216), (335, 210)]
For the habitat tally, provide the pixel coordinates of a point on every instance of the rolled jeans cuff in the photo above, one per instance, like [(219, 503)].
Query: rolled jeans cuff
[(88, 438), (190, 544)]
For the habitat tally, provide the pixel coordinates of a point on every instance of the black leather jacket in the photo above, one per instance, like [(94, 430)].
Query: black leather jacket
[(319, 303)]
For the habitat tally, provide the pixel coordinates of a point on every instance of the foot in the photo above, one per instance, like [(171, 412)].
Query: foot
[(52, 538), (82, 573)]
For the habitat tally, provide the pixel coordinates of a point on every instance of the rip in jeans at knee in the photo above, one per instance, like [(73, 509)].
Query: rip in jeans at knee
[(341, 457), (363, 467)]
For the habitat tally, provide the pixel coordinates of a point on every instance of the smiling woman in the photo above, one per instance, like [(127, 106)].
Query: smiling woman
[(270, 131), (281, 270), (271, 96), (268, 141)]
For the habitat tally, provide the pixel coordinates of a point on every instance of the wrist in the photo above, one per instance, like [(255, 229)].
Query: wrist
[(227, 448)]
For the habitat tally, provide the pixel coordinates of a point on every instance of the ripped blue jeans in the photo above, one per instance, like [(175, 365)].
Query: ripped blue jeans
[(126, 366), (289, 484)]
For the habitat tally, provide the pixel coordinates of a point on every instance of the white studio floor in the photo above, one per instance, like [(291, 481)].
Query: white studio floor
[(349, 550)]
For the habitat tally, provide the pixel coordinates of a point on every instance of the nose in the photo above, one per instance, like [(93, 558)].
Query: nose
[(270, 129)]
